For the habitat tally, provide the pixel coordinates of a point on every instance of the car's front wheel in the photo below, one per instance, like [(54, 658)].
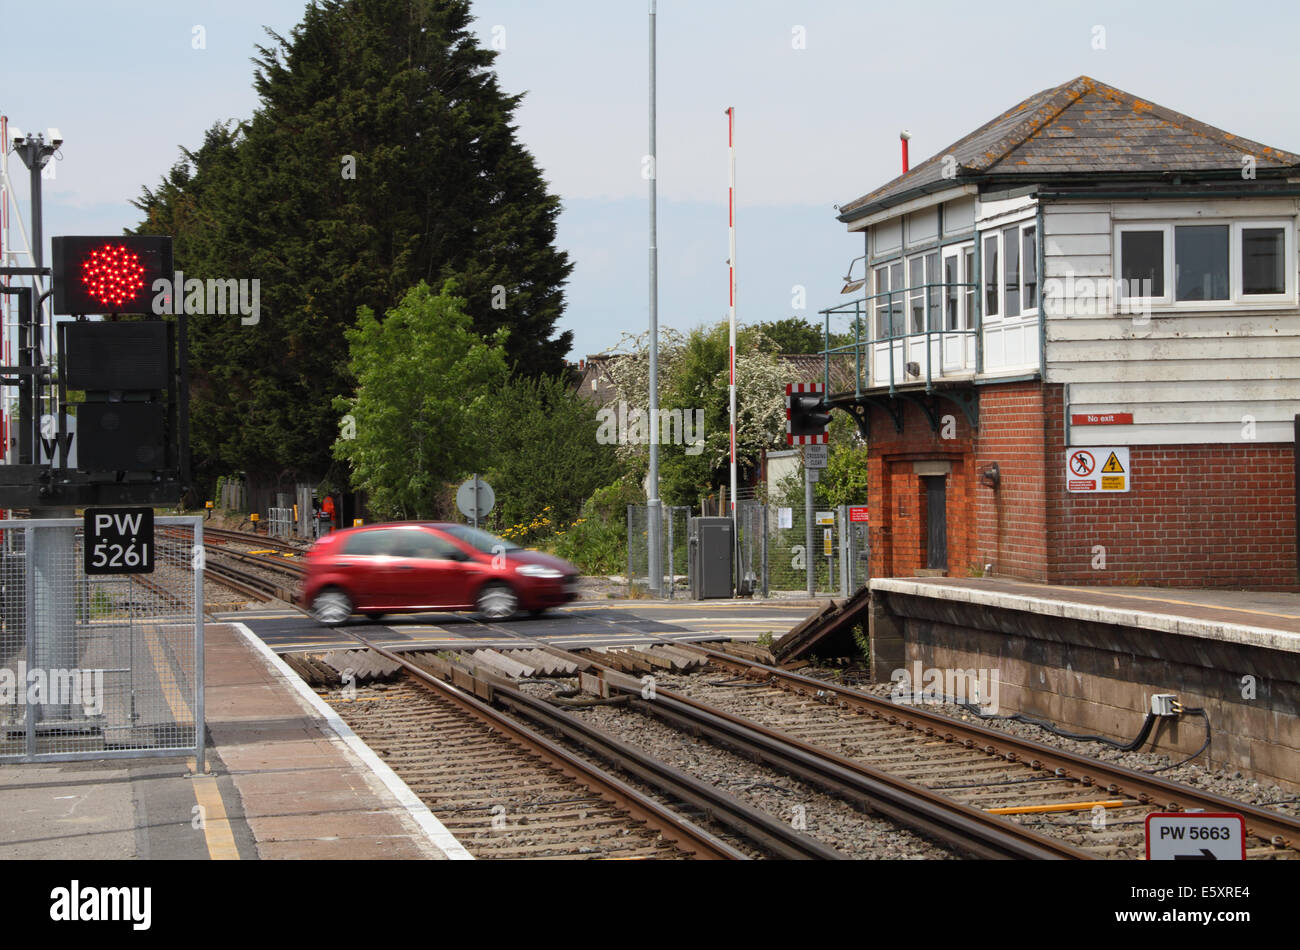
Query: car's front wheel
[(497, 602), (331, 607)]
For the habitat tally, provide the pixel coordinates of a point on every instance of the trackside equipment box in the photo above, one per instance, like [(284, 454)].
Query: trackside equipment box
[(712, 545)]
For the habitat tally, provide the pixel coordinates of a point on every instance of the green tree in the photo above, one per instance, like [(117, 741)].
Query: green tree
[(844, 482), (383, 153), (547, 454), (424, 383), (793, 335), (693, 376)]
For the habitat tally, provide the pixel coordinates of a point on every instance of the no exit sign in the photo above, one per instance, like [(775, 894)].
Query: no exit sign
[(1101, 419)]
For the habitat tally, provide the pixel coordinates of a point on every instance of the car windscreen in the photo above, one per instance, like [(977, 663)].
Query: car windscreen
[(479, 540)]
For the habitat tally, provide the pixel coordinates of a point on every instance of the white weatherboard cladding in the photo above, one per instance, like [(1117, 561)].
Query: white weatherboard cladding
[(959, 216), (1199, 377), (886, 236), (994, 213), (922, 227)]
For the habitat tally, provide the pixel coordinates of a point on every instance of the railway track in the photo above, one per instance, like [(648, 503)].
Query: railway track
[(1098, 806), (952, 824), (257, 576), (937, 775), (507, 791), (1093, 808)]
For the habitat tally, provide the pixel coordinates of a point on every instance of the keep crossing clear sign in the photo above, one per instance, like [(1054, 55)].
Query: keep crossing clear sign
[(118, 541)]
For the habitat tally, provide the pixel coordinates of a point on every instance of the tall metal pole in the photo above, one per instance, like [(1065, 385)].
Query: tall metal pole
[(809, 563), (53, 615), (731, 278), (652, 503)]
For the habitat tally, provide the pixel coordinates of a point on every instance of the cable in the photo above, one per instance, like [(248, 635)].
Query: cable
[(1192, 711), (1133, 746)]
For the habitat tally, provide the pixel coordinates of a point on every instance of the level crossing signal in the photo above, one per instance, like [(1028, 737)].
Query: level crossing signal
[(108, 274), (806, 417)]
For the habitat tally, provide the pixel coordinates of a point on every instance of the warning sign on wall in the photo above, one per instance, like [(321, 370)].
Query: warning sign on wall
[(1097, 470)]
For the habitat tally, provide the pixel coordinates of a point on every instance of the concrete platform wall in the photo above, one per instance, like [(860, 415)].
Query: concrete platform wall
[(1098, 678)]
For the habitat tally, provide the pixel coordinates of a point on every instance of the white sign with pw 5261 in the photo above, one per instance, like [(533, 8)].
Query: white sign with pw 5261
[(118, 541)]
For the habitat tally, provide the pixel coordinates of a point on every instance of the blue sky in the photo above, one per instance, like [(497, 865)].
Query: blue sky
[(816, 125)]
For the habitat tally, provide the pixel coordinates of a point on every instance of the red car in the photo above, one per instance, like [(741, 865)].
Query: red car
[(408, 568)]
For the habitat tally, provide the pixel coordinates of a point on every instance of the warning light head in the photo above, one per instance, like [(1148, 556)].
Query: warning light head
[(108, 274), (806, 419)]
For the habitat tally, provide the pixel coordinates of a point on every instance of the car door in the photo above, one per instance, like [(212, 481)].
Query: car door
[(434, 573), (370, 563)]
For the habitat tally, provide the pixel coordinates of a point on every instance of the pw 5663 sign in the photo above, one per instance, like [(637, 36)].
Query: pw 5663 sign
[(118, 541)]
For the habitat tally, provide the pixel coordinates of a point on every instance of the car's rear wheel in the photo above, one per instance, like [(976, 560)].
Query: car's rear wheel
[(331, 607), (497, 602)]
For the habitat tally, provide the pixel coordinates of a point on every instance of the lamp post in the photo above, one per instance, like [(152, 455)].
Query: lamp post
[(653, 510)]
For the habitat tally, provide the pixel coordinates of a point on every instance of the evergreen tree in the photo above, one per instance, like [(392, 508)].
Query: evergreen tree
[(382, 154)]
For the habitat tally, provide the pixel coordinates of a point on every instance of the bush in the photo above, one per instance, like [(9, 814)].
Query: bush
[(597, 541)]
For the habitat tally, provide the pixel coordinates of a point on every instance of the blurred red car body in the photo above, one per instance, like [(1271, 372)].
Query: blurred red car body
[(413, 567)]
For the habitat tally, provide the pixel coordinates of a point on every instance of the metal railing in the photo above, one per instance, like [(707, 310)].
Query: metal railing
[(280, 523), (99, 666), (896, 314), (674, 542)]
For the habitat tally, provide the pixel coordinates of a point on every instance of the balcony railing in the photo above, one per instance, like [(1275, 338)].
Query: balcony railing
[(895, 315)]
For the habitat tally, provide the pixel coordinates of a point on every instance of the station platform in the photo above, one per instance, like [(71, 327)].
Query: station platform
[(1258, 618), (1090, 659), (285, 778)]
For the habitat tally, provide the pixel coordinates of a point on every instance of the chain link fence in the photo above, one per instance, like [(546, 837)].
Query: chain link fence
[(772, 553), (751, 548), (673, 546), (99, 666), (855, 547)]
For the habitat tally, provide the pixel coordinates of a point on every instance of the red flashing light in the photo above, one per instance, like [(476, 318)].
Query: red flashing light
[(113, 275), (109, 274)]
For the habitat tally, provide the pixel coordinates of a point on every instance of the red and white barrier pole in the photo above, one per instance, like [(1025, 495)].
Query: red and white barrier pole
[(731, 279)]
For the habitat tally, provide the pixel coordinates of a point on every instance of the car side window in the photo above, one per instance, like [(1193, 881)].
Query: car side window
[(428, 546), (373, 542)]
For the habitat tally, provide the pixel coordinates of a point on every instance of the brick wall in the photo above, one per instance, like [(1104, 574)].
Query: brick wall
[(897, 494), (1197, 516), (1011, 523)]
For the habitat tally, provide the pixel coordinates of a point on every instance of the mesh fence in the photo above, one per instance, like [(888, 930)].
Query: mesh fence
[(771, 549), (857, 551), (673, 547), (751, 547), (99, 666), (788, 554), (279, 523)]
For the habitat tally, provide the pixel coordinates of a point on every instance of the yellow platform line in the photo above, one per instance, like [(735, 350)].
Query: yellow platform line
[(217, 833), (1182, 603)]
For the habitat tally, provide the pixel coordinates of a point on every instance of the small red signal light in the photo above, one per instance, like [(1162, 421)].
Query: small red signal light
[(113, 275)]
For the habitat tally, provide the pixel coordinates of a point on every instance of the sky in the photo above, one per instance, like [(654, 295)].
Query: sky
[(821, 89)]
